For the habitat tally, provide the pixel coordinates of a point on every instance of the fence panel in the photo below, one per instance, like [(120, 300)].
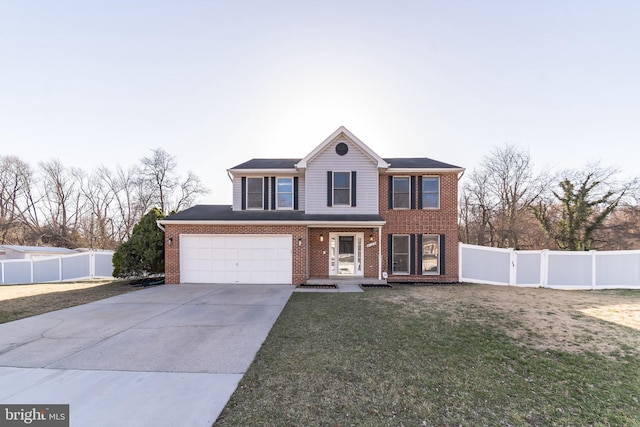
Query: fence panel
[(76, 266), (46, 270), (17, 271), (529, 268), (553, 269), (60, 268), (620, 269), (103, 262), (485, 265), (570, 270)]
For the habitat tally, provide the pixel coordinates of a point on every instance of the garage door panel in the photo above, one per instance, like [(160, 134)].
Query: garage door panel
[(236, 259)]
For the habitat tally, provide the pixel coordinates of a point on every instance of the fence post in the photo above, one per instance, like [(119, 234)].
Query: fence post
[(593, 269), (544, 268), (2, 262), (92, 264), (459, 261), (31, 262), (513, 267)]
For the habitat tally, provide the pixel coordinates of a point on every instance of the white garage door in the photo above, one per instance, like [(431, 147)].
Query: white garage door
[(235, 259)]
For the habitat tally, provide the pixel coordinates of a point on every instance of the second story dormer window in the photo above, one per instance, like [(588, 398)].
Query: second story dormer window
[(284, 189), (255, 195)]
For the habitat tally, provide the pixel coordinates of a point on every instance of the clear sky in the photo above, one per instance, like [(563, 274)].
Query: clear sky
[(216, 83)]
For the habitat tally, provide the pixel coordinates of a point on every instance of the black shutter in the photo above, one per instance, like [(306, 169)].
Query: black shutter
[(329, 188), (390, 192), (243, 190), (412, 257), (273, 193), (295, 193), (442, 238), (265, 193), (412, 195), (353, 188), (420, 192), (419, 252)]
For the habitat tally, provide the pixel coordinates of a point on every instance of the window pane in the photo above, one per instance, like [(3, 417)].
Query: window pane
[(401, 185), (430, 184), (430, 252), (401, 263), (341, 197), (429, 200), (400, 200), (254, 201), (341, 180), (401, 244), (285, 201), (285, 185), (254, 185)]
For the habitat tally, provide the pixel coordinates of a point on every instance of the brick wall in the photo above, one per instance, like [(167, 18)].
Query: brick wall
[(424, 221), (172, 250)]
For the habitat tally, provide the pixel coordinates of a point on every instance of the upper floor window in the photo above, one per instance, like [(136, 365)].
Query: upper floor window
[(284, 193), (430, 192), (342, 188), (401, 192), (255, 193)]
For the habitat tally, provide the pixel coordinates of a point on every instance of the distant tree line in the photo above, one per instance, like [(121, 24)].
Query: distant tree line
[(56, 205), (505, 203)]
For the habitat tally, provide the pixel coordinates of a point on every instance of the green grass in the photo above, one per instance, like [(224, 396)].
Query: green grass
[(370, 360)]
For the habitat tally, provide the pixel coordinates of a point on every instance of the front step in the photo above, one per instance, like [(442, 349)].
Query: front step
[(344, 281)]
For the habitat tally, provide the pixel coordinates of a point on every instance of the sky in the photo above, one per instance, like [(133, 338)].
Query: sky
[(216, 83)]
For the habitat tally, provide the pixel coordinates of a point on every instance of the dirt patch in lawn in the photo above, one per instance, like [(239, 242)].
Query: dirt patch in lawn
[(20, 291), (602, 322)]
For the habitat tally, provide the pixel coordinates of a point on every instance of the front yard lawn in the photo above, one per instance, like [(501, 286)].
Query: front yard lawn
[(465, 355)]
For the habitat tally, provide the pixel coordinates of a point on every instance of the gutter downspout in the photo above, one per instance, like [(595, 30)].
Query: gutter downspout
[(160, 226)]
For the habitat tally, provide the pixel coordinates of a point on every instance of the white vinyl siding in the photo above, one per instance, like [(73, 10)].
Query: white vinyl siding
[(315, 184), (237, 192)]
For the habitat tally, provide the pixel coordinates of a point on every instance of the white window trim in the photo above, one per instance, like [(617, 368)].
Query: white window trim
[(393, 253), (284, 208), (261, 193), (422, 192), (393, 182), (333, 190), (431, 273)]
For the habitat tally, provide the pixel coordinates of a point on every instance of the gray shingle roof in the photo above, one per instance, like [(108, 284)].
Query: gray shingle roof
[(225, 213), (417, 163), (268, 164), (395, 162)]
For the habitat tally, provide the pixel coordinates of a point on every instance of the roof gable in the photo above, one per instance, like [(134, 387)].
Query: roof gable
[(379, 161)]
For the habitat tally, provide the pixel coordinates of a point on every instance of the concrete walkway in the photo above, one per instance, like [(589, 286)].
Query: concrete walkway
[(163, 356)]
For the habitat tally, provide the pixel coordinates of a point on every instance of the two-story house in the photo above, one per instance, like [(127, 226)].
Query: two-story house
[(340, 212)]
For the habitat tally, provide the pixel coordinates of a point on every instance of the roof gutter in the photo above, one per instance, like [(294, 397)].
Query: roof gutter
[(159, 224), (315, 224)]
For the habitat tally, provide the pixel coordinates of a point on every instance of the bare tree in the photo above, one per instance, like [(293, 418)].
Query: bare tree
[(15, 184), (497, 195), (63, 204), (164, 187)]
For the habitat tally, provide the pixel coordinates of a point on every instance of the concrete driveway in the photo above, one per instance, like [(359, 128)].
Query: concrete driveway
[(171, 355)]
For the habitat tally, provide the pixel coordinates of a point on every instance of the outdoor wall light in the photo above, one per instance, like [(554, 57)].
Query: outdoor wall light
[(300, 241), (322, 237), (371, 237), (170, 240)]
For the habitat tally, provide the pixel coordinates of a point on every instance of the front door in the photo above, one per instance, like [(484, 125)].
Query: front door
[(346, 251)]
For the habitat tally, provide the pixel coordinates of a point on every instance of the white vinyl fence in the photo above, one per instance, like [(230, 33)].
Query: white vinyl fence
[(86, 265), (550, 269)]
